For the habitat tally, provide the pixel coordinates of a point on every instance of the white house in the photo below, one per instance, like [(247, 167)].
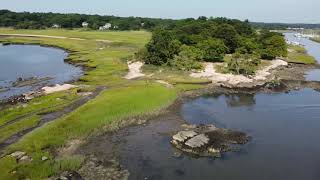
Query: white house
[(105, 27), (56, 26), (85, 24)]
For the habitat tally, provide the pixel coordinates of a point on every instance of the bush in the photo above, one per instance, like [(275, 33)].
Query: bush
[(187, 59)]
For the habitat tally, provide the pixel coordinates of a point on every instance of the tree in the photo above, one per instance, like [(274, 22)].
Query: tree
[(229, 36), (247, 46), (274, 46), (162, 47), (213, 49)]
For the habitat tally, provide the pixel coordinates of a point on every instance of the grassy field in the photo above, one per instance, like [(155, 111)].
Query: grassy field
[(122, 99), (298, 54)]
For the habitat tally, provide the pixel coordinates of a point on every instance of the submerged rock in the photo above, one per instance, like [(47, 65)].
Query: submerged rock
[(208, 140)]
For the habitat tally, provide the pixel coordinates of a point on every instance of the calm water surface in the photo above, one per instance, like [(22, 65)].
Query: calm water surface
[(33, 61), (285, 130), (313, 49)]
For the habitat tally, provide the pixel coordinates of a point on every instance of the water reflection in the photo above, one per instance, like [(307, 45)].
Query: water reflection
[(238, 100), (27, 61)]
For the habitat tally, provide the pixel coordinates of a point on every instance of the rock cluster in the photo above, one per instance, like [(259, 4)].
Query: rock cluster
[(207, 140), (21, 157)]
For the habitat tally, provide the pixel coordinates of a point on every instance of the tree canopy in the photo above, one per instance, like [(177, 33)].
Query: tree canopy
[(210, 40)]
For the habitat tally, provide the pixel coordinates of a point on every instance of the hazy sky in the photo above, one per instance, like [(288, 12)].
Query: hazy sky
[(306, 11)]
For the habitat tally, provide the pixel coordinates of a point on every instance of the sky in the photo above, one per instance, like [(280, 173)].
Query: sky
[(285, 11)]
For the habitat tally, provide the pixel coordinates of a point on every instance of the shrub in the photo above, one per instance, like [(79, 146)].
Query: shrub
[(245, 64)]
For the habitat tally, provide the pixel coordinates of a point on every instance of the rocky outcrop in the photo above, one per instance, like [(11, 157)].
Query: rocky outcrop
[(207, 140)]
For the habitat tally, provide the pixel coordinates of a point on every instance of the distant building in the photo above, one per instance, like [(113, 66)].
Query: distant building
[(56, 26), (107, 26), (85, 24), (290, 28)]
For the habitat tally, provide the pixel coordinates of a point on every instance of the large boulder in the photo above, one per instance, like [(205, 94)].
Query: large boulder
[(207, 140)]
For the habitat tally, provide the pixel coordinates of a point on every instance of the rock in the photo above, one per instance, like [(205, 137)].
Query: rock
[(84, 93), (197, 141), (25, 159), (44, 158), (67, 176), (184, 135), (188, 126), (177, 154), (207, 140), (213, 150), (18, 154)]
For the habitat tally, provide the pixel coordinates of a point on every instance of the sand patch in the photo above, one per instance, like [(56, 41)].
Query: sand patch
[(57, 88), (210, 73), (134, 70)]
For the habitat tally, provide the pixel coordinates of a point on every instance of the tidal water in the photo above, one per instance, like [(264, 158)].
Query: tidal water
[(285, 131), (26, 61), (313, 49)]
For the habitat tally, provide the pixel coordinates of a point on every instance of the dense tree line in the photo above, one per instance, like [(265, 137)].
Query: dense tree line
[(192, 41), (26, 20)]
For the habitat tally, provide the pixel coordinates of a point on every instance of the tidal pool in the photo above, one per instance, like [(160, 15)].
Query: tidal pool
[(27, 61), (285, 130)]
